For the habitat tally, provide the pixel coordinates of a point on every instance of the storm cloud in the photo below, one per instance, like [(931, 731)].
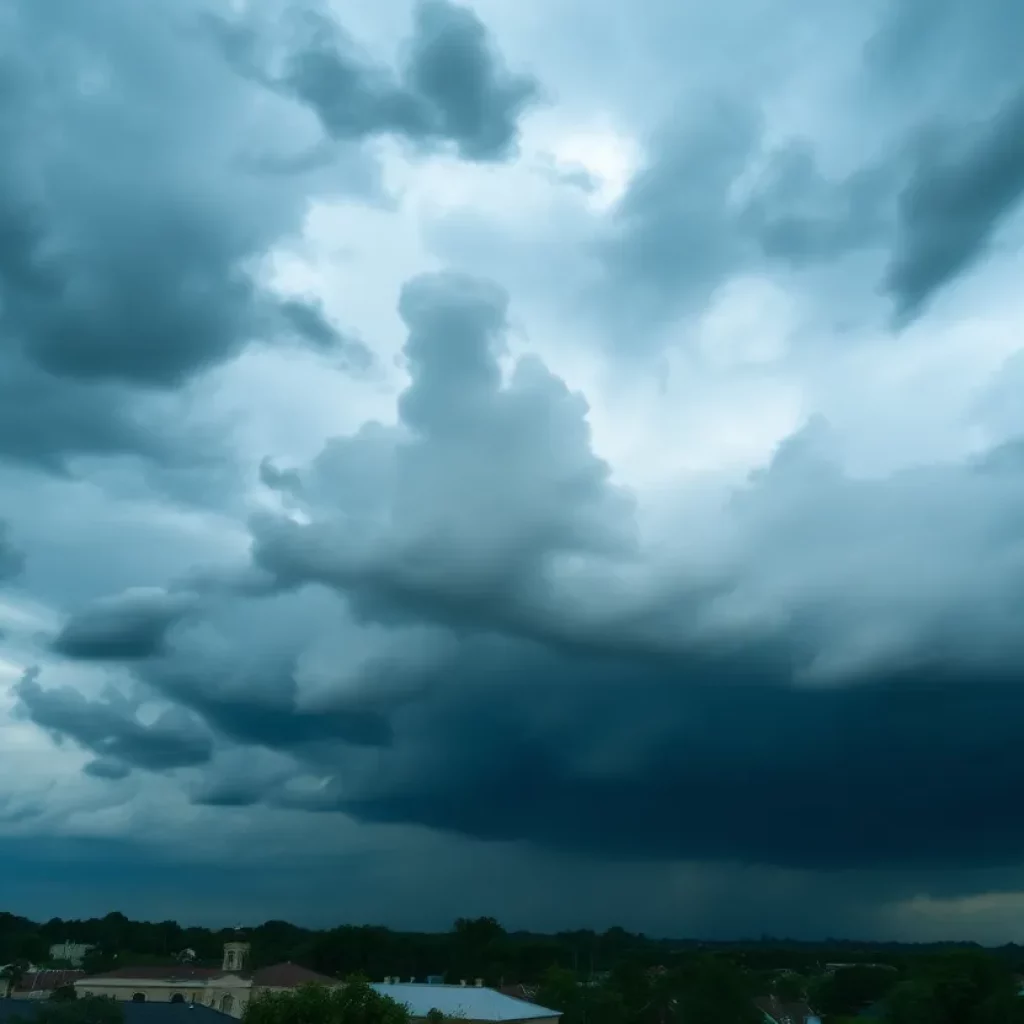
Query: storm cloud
[(12, 558), (451, 86), (110, 728), (623, 550), (92, 326)]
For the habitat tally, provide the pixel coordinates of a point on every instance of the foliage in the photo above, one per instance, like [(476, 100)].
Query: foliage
[(64, 994), (851, 989), (789, 988), (712, 990), (355, 1002), (967, 987)]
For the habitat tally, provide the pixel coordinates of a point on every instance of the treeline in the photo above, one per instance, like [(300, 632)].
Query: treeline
[(478, 948)]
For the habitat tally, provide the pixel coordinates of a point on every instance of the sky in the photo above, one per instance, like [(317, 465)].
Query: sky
[(549, 459)]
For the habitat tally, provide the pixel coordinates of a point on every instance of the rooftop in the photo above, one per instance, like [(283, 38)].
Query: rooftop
[(47, 981), (285, 975), (13, 1011), (467, 1002)]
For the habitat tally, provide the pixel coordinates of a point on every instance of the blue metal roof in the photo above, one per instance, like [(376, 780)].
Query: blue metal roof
[(467, 1002), (15, 1010)]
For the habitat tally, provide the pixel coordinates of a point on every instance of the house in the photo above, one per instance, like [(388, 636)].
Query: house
[(470, 1003), (777, 1012), (134, 1013), (227, 988), (73, 952), (40, 984)]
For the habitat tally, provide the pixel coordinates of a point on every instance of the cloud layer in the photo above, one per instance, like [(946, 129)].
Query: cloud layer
[(368, 480)]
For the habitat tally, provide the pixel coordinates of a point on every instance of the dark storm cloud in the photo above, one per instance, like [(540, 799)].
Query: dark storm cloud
[(965, 185), (452, 86), (820, 675), (674, 237), (126, 627), (111, 729), (126, 270), (285, 481), (309, 321), (798, 215), (45, 420), (108, 769), (253, 700), (132, 209), (948, 173), (12, 558)]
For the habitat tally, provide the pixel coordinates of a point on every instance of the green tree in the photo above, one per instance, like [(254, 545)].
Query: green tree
[(912, 1002), (64, 994), (10, 977), (965, 987), (850, 989), (713, 990), (789, 988), (355, 1002)]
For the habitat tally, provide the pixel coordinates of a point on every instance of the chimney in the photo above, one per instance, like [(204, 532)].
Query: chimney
[(462, 982), (412, 981), (479, 983)]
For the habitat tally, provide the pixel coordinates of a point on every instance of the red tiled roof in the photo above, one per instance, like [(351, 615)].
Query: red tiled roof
[(47, 981), (162, 972), (284, 975), (288, 976)]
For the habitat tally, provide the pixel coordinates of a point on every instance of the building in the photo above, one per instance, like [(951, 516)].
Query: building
[(469, 1003), (73, 952), (40, 984), (227, 988)]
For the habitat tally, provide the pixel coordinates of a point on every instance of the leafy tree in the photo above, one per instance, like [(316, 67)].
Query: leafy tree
[(912, 1002), (850, 989), (11, 975), (965, 987), (97, 961), (64, 994), (712, 990), (580, 1003), (352, 1003), (789, 988)]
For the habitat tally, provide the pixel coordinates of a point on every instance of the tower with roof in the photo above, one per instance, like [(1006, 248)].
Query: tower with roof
[(236, 952)]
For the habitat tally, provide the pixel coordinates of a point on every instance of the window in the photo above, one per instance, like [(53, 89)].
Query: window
[(139, 997), (177, 998), (226, 1004)]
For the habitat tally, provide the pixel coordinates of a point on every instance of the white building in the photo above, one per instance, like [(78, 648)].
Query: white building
[(227, 988), (73, 952)]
